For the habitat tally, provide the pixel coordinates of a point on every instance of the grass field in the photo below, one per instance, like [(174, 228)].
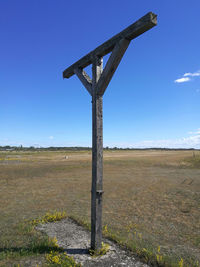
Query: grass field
[(151, 200)]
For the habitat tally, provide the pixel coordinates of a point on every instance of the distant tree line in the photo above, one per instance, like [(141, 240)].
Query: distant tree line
[(79, 148)]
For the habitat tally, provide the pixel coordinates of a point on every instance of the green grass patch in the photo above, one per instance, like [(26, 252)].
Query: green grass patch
[(33, 243), (155, 256), (100, 252), (55, 258), (49, 217)]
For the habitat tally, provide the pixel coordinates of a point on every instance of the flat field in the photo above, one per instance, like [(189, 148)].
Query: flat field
[(151, 200)]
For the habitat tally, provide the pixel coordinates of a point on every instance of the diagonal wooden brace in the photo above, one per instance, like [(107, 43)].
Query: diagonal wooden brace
[(112, 64), (84, 78)]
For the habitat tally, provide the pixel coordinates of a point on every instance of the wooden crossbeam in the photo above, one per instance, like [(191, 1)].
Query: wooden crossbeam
[(134, 30)]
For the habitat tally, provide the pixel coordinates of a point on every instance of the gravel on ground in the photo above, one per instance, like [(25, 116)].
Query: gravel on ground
[(75, 240)]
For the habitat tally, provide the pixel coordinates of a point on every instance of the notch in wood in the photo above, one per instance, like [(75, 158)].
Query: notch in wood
[(99, 192)]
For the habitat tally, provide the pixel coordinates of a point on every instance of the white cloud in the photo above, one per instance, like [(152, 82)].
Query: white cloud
[(197, 132), (192, 141), (51, 137), (187, 77), (182, 80), (187, 74), (197, 73)]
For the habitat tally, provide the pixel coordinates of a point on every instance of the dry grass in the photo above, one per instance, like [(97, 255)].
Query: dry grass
[(151, 199)]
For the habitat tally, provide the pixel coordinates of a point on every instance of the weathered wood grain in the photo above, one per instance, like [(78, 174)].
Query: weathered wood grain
[(134, 30), (97, 158), (84, 78)]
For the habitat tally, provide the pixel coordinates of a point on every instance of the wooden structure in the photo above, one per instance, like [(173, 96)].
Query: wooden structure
[(96, 88)]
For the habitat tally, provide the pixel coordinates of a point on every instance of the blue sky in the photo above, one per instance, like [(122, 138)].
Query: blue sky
[(152, 100)]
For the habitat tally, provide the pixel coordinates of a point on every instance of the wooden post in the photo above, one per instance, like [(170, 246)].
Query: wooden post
[(96, 88), (97, 157)]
